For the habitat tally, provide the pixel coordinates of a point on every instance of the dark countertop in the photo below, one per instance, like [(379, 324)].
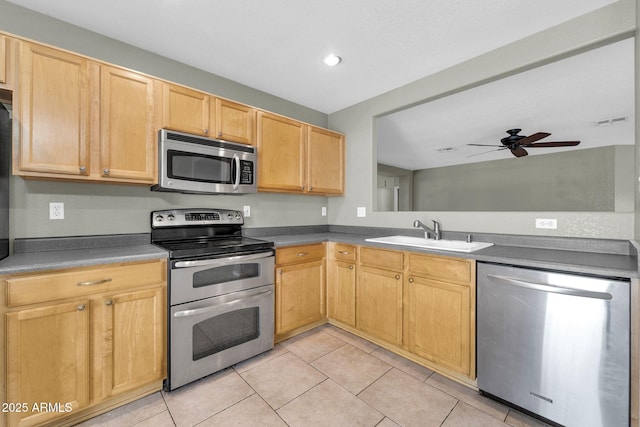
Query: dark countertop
[(38, 255), (574, 261), (607, 259)]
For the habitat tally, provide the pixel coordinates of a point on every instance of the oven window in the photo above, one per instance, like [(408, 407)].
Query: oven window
[(224, 274), (199, 167), (225, 331)]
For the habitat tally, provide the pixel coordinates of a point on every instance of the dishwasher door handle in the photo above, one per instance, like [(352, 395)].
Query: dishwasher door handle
[(551, 288)]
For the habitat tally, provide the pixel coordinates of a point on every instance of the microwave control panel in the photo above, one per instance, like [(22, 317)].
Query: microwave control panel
[(246, 172)]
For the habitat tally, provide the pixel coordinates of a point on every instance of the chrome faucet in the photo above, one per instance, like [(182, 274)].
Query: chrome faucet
[(428, 231)]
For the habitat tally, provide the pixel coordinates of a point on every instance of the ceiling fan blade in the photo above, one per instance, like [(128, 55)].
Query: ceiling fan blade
[(484, 145), (533, 138), (519, 152), (486, 152), (554, 144)]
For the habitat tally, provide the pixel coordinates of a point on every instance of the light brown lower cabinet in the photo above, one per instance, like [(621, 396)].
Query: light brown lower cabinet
[(379, 294), (420, 305), (300, 289), (71, 353)]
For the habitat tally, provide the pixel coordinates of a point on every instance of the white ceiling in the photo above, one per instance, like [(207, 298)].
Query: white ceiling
[(565, 98), (277, 46)]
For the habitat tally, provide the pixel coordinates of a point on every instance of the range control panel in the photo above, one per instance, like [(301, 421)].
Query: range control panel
[(182, 217)]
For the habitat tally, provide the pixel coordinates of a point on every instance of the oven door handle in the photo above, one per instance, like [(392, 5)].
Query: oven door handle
[(197, 311), (221, 261), (236, 181)]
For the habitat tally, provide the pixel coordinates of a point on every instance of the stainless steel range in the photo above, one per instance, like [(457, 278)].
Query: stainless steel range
[(221, 293)]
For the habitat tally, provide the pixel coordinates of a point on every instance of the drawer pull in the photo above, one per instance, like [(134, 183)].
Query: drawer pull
[(81, 307), (344, 252), (397, 277), (410, 279), (94, 282), (108, 302), (351, 267), (302, 254)]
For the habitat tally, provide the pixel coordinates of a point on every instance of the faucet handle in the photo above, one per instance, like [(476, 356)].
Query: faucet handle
[(436, 225)]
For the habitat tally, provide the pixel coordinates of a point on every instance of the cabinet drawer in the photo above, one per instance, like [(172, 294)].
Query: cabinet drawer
[(296, 254), (443, 268), (36, 288), (345, 252), (381, 258)]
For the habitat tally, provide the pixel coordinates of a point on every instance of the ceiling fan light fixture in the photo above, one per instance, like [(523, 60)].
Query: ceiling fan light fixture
[(332, 60)]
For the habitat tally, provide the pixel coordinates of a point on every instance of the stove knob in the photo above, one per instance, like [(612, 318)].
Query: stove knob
[(159, 218), (170, 217), (238, 216)]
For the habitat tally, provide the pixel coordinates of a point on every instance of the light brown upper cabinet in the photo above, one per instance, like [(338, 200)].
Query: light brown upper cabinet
[(128, 137), (281, 154), (185, 110), (191, 111), (294, 157), (83, 120), (53, 112), (325, 161), (7, 65)]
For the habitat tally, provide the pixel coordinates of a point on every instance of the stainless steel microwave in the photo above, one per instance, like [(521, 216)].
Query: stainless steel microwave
[(193, 164)]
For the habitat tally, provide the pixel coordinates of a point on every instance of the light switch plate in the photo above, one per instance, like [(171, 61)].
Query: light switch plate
[(361, 212), (324, 211), (246, 211)]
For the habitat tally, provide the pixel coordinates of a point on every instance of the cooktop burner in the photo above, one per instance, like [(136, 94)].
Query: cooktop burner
[(197, 233)]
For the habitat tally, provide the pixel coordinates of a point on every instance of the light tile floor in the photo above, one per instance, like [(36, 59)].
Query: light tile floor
[(324, 377)]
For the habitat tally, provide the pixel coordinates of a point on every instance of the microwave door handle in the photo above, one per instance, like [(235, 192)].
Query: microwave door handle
[(236, 181)]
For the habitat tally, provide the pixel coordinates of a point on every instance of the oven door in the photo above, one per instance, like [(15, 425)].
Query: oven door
[(215, 333), (198, 279)]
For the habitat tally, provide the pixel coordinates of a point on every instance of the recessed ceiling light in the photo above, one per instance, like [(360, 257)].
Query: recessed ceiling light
[(332, 60), (613, 121)]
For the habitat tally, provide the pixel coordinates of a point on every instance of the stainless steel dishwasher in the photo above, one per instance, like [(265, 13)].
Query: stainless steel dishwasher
[(555, 344)]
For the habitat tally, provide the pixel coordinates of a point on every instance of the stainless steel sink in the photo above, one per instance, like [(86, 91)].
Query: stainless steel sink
[(443, 245)]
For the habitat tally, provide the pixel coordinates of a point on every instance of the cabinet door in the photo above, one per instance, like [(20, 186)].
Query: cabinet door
[(342, 293), (132, 326), (325, 162), (235, 122), (299, 295), (439, 322), (185, 110), (127, 133), (48, 360), (53, 111), (4, 52), (281, 154), (380, 303)]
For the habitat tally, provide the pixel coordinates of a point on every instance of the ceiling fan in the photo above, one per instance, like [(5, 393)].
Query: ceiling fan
[(515, 142)]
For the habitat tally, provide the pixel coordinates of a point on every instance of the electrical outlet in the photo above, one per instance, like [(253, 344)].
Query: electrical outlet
[(324, 211), (546, 223), (361, 212), (246, 211), (56, 210)]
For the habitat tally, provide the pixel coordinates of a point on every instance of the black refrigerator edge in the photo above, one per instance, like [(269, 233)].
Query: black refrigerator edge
[(5, 166)]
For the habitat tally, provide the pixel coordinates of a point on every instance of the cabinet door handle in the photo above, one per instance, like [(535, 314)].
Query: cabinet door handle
[(94, 282), (106, 171), (344, 252), (351, 267), (219, 134), (302, 254), (206, 131), (83, 169), (81, 307), (410, 279), (302, 188), (108, 302), (397, 277)]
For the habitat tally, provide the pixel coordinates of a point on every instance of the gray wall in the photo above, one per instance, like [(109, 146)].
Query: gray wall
[(577, 180), (106, 209), (611, 23)]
